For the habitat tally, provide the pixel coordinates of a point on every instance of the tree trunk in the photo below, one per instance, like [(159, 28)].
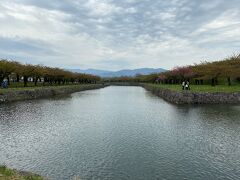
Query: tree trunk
[(25, 79), (8, 80), (229, 81), (216, 81), (35, 81), (1, 80), (213, 81), (18, 78), (44, 80)]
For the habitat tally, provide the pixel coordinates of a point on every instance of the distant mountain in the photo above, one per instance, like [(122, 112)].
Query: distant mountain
[(91, 71), (125, 72)]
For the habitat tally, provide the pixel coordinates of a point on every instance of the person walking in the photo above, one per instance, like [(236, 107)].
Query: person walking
[(5, 83), (183, 85), (187, 85)]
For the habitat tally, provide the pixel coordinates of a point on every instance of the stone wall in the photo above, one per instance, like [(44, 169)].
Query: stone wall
[(123, 84), (188, 97), (19, 95)]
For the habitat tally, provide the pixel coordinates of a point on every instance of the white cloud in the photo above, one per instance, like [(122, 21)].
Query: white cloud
[(101, 7), (167, 15), (227, 19), (224, 28), (118, 34), (32, 23)]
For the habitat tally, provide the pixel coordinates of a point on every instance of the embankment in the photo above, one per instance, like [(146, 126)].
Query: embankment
[(123, 84), (188, 97), (12, 95), (11, 174)]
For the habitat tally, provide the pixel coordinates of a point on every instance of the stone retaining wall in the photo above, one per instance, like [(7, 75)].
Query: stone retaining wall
[(188, 97), (19, 95), (123, 84)]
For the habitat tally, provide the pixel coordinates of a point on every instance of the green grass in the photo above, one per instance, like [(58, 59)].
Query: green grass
[(31, 84), (201, 88), (9, 174), (19, 87)]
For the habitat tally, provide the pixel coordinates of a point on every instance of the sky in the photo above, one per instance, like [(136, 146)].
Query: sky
[(118, 34)]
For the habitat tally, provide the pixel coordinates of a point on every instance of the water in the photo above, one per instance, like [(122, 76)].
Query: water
[(120, 133)]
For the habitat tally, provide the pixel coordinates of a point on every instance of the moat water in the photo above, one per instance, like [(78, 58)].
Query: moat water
[(120, 133)]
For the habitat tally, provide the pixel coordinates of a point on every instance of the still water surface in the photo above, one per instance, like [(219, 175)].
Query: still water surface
[(120, 133)]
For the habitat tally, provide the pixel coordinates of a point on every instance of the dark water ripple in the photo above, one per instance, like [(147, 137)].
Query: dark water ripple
[(120, 133)]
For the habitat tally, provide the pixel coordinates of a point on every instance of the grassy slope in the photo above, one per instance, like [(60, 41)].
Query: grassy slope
[(201, 88), (2, 91), (9, 174)]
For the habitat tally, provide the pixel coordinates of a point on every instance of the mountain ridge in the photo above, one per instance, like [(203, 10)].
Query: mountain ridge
[(124, 72)]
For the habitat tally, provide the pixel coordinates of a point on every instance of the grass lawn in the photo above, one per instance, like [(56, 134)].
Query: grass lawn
[(32, 87), (201, 88), (9, 174)]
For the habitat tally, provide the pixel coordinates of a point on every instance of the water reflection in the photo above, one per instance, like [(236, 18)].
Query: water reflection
[(120, 133)]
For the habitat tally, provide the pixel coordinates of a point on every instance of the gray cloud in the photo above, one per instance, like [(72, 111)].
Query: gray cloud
[(114, 34)]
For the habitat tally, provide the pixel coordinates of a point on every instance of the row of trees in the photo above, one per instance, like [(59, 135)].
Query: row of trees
[(205, 72), (228, 69), (16, 72), (137, 79)]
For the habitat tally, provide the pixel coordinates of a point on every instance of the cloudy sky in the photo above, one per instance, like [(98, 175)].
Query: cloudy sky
[(118, 34)]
